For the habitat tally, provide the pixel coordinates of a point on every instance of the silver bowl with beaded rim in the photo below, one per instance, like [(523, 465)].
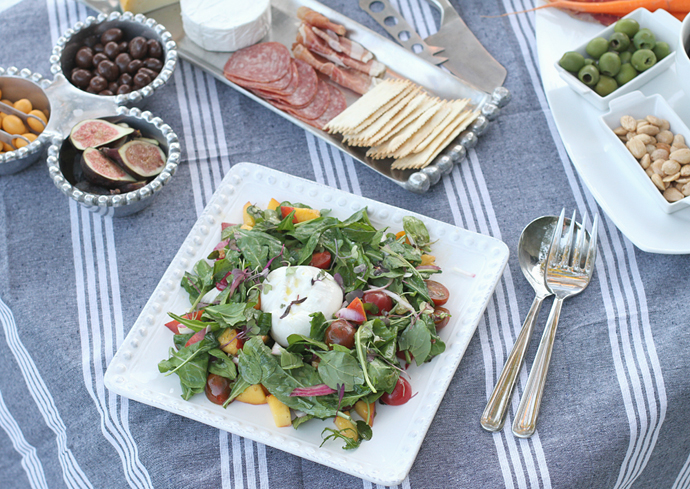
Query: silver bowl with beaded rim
[(62, 160), (17, 84), (62, 58)]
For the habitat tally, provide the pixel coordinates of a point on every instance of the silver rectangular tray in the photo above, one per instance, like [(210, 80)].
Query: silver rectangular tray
[(284, 24)]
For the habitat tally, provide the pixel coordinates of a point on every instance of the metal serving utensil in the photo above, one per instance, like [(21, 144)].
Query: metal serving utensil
[(532, 253), (565, 278)]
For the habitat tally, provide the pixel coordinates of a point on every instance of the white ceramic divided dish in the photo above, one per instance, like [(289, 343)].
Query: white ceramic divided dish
[(399, 430), (682, 58), (639, 106), (658, 22)]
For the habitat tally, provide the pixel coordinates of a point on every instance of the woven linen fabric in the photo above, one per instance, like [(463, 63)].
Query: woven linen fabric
[(615, 409)]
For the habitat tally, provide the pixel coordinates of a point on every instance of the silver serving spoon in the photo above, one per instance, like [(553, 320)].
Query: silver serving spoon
[(533, 250)]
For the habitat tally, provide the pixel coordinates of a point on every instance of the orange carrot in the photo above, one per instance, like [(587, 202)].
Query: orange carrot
[(618, 7)]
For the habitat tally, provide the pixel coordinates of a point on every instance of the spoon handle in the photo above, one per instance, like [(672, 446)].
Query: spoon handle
[(494, 414), (526, 417)]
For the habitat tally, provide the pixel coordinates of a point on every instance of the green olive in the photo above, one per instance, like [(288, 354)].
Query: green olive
[(589, 61), (619, 41), (627, 26), (625, 57), (626, 74), (572, 61), (589, 75), (643, 59), (609, 64), (596, 47), (661, 50), (605, 86), (644, 39)]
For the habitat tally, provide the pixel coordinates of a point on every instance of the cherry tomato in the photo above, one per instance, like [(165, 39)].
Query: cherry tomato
[(440, 321), (321, 260), (400, 395), (217, 389), (380, 300), (340, 332), (438, 292)]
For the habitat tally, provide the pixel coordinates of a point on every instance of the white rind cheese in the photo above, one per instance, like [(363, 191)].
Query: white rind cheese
[(225, 25), (289, 284), (143, 6)]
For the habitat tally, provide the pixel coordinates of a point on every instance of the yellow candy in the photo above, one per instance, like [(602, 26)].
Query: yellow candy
[(13, 125), (24, 105), (34, 124)]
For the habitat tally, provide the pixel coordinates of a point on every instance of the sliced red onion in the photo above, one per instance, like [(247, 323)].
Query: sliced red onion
[(350, 315), (374, 289), (221, 245), (315, 390), (427, 267), (276, 349), (399, 300)]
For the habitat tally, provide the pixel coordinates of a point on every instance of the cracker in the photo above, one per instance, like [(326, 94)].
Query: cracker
[(409, 145), (411, 111), (420, 160), (409, 131), (456, 107), (362, 138), (366, 105), (382, 110)]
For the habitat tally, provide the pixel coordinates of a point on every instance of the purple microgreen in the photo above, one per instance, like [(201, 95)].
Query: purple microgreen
[(295, 302), (277, 256), (362, 267), (350, 296), (339, 280)]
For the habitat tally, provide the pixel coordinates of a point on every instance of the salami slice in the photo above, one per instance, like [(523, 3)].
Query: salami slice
[(308, 85), (317, 106), (287, 91), (336, 105), (261, 63), (274, 86)]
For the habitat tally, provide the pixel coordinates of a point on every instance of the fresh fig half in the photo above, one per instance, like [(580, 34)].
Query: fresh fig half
[(92, 133), (100, 170), (142, 158)]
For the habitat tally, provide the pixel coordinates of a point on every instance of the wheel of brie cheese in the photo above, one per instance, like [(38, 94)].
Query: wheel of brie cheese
[(225, 25)]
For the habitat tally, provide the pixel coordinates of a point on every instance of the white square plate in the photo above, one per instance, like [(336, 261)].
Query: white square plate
[(398, 431)]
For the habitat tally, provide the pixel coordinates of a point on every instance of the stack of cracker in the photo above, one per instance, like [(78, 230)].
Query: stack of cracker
[(398, 119)]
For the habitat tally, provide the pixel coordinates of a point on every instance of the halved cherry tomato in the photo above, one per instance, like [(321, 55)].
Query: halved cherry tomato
[(174, 324), (438, 292), (400, 395), (217, 389), (285, 211), (439, 320), (340, 332), (380, 300), (196, 337), (321, 260)]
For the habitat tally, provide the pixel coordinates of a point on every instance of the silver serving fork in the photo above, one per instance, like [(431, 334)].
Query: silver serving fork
[(565, 278)]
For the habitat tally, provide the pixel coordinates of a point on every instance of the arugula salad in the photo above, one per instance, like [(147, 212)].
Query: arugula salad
[(314, 316)]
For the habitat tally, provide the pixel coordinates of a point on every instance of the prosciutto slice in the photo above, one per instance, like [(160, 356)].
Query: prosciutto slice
[(343, 45), (314, 18), (356, 81)]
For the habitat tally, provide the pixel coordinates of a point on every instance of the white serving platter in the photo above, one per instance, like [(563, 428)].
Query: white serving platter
[(642, 221), (284, 25), (399, 431)]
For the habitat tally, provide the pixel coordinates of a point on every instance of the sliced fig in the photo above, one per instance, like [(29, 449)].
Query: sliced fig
[(92, 133), (131, 187), (101, 170), (142, 158)]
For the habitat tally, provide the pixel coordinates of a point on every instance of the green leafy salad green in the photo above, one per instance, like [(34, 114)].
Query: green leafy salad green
[(347, 363)]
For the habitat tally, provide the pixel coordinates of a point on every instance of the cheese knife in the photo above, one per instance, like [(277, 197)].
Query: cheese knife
[(461, 52)]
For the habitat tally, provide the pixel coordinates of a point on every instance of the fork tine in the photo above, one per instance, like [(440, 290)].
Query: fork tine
[(565, 257), (579, 244), (592, 251)]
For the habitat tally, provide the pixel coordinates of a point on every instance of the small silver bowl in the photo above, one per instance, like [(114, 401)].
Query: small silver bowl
[(61, 164), (62, 58), (17, 84)]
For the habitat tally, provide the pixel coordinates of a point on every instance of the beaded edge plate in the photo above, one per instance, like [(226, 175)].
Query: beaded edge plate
[(398, 431)]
